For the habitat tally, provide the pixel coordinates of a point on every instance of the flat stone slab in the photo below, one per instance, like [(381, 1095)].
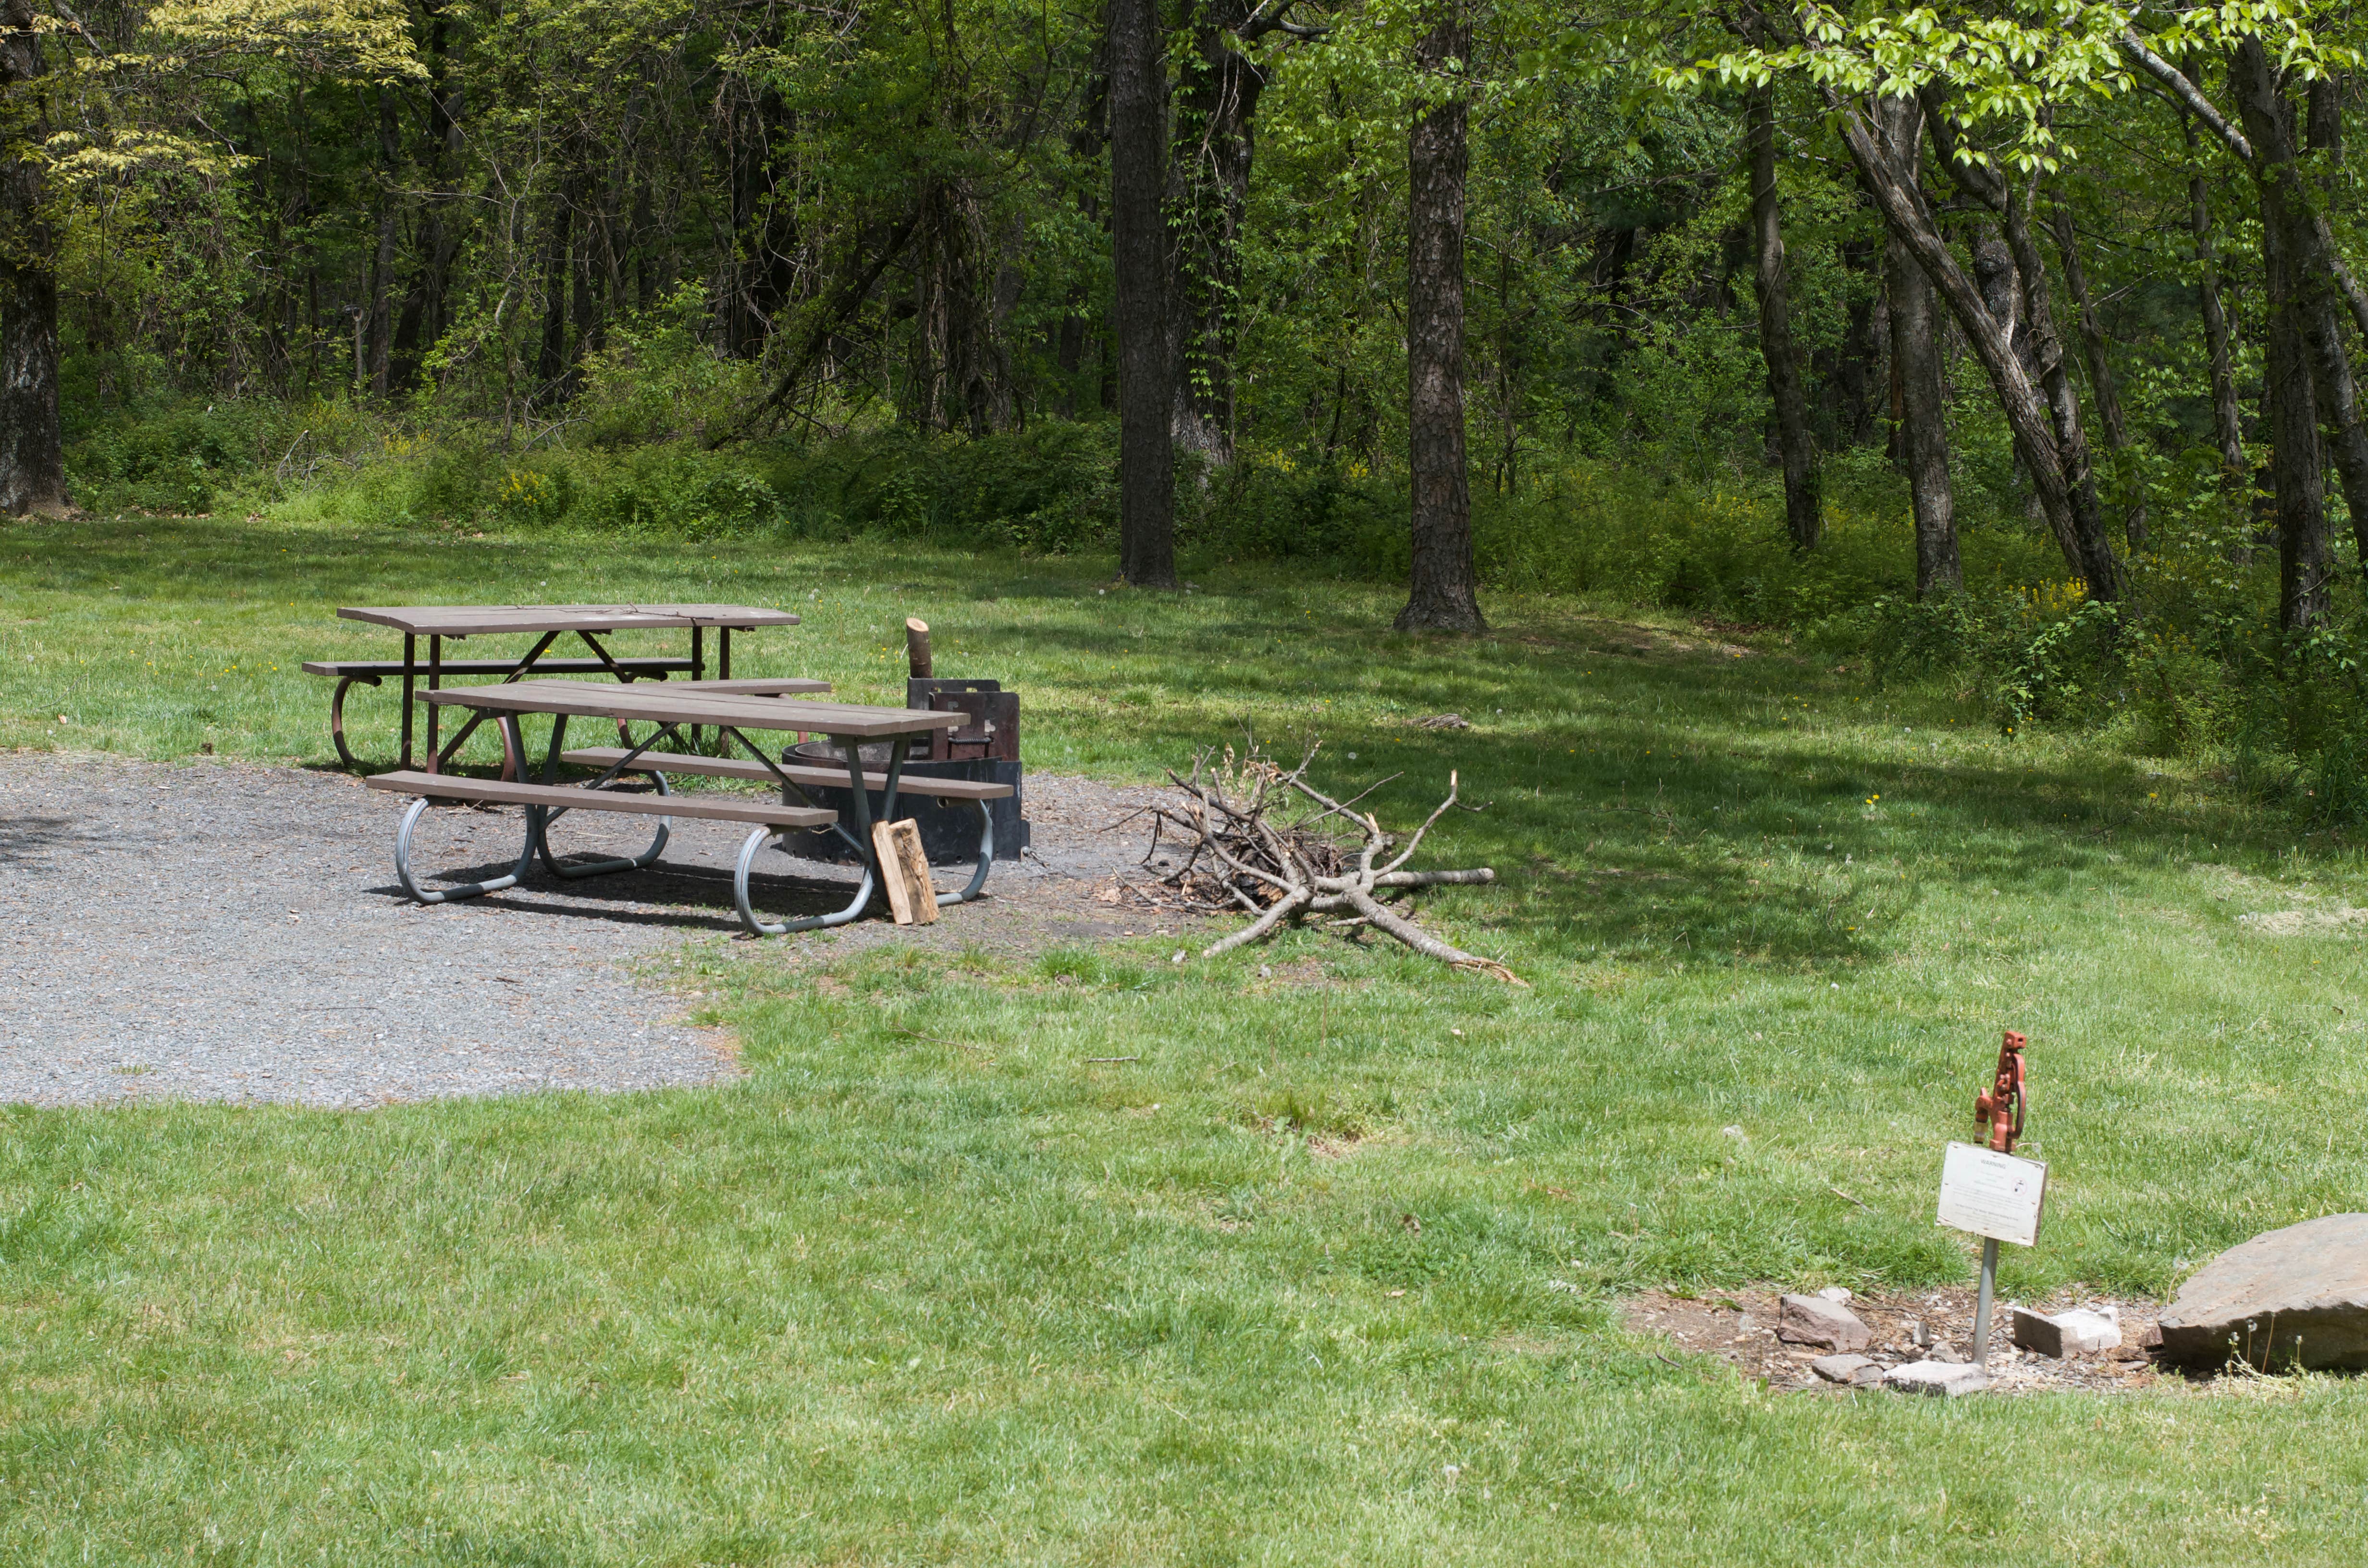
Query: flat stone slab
[(2076, 1332), (1857, 1372), (2290, 1296), (1812, 1320), (1944, 1380)]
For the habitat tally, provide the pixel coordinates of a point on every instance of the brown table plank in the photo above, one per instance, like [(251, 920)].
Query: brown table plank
[(653, 704), (796, 773), (358, 668), (763, 685), (474, 621)]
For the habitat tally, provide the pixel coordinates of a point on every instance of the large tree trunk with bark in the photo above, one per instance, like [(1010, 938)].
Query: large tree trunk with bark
[(33, 454), (2306, 336), (1910, 222), (2100, 376), (2040, 350), (1920, 395), (2291, 406), (1444, 593), (1803, 507), (1147, 461)]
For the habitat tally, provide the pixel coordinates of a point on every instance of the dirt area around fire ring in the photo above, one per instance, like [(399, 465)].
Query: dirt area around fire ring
[(1739, 1327)]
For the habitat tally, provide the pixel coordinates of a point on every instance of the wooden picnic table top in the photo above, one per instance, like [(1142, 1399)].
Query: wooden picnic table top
[(652, 702), (471, 620)]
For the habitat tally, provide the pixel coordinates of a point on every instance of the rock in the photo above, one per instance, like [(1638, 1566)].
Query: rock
[(1918, 1334), (1856, 1371), (2293, 1297), (1837, 1294), (2076, 1333), (1945, 1378), (1812, 1320)]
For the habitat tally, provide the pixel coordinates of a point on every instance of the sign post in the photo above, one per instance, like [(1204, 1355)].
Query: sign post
[(1988, 1191)]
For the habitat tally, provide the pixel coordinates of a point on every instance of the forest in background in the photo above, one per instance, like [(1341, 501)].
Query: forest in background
[(2006, 345)]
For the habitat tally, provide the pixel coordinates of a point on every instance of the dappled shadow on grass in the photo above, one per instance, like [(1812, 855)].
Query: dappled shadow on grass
[(1648, 791), (1655, 806)]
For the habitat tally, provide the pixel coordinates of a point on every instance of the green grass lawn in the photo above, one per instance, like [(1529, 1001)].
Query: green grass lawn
[(1325, 1276)]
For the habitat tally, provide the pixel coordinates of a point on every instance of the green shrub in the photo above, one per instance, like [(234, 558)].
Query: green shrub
[(182, 457)]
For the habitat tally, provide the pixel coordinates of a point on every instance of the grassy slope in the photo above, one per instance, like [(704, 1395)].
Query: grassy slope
[(897, 1300)]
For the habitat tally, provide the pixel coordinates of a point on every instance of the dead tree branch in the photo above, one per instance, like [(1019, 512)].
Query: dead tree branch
[(1263, 840)]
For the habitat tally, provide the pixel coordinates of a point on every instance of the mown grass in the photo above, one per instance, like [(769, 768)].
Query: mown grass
[(930, 1286)]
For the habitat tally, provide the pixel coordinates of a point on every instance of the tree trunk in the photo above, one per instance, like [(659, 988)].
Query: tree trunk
[(2100, 377), (1803, 501), (2293, 408), (381, 282), (551, 359), (421, 322), (1444, 595), (1910, 222), (33, 454), (1209, 175), (1920, 396), (2227, 423), (2040, 351), (2098, 562), (1147, 524), (2308, 330)]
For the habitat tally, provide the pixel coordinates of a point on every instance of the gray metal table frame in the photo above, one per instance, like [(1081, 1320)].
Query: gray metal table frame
[(588, 623), (847, 726)]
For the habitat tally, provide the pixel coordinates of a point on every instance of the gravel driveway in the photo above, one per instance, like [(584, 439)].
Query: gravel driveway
[(221, 930)]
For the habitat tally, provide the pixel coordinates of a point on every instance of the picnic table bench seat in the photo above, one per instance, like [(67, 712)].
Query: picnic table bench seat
[(802, 775), (557, 798)]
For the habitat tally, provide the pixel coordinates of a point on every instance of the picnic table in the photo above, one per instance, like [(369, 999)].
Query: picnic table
[(667, 710), (588, 623)]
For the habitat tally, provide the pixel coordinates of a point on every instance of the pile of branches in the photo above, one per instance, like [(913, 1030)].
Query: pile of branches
[(1266, 842)]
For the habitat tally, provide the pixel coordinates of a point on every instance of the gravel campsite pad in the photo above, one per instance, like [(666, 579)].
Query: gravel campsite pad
[(224, 930)]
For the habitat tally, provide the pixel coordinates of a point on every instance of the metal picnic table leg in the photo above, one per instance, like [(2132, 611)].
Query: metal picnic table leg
[(852, 749), (410, 669), (473, 889), (435, 683), (722, 672), (337, 722), (599, 867)]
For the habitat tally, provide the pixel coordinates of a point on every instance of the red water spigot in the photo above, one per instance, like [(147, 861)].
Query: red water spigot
[(2001, 1104)]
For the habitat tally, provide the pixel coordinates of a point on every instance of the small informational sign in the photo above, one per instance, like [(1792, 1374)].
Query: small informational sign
[(1990, 1194)]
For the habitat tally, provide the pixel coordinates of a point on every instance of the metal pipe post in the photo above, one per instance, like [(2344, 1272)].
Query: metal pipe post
[(1982, 1309)]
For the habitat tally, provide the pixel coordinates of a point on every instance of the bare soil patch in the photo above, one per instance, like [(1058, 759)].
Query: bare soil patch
[(1739, 1327)]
